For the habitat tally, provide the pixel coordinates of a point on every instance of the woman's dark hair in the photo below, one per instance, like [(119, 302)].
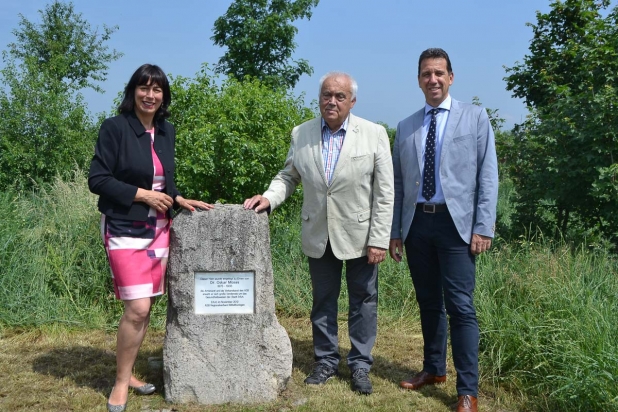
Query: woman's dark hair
[(145, 74)]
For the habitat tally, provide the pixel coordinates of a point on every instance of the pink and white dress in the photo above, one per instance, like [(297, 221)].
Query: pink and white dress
[(138, 251)]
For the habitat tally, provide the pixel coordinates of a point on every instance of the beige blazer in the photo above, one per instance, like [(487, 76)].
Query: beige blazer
[(356, 210)]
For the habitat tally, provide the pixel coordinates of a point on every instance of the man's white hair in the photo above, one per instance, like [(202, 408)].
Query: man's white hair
[(339, 74)]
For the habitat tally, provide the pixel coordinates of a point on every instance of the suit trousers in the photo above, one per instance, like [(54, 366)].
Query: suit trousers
[(443, 272), (362, 281)]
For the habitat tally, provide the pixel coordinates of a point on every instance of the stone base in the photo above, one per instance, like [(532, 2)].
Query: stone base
[(221, 358)]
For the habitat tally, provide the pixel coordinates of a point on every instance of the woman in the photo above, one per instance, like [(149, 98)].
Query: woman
[(132, 171)]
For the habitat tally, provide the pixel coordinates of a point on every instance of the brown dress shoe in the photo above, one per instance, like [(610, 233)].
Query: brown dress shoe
[(467, 403), (421, 379)]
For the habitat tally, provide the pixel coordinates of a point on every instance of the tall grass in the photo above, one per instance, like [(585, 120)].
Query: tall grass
[(549, 324), (548, 312), (293, 284), (52, 259)]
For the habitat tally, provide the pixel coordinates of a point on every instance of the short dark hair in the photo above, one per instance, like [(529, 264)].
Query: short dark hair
[(145, 74), (435, 53)]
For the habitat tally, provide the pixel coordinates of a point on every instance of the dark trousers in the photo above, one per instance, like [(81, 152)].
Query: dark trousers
[(443, 272), (362, 280)]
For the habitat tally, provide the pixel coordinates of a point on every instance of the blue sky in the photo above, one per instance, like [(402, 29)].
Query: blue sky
[(378, 42)]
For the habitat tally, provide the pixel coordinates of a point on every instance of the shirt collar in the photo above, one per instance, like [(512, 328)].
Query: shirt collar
[(445, 105), (137, 126), (343, 127)]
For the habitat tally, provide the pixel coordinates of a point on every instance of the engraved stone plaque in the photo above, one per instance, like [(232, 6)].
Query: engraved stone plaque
[(224, 293)]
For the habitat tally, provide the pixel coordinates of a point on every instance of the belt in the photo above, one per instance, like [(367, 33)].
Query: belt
[(432, 207)]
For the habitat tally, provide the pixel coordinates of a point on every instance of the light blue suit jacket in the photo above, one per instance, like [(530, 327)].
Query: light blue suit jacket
[(468, 171)]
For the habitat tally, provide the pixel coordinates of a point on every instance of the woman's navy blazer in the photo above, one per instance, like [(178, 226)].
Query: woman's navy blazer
[(122, 163)]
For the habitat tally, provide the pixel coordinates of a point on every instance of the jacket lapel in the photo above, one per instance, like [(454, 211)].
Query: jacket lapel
[(451, 125), (316, 147), (418, 134), (135, 124)]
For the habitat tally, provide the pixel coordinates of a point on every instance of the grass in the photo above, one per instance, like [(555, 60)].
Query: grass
[(293, 284), (54, 269), (57, 369), (548, 321), (548, 316)]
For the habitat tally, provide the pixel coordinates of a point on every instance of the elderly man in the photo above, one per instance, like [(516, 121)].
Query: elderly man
[(446, 189), (344, 164)]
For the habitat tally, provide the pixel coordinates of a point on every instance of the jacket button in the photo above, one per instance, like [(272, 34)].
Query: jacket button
[(417, 183), (329, 193)]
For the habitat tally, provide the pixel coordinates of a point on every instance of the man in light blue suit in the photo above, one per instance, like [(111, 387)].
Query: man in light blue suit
[(446, 190)]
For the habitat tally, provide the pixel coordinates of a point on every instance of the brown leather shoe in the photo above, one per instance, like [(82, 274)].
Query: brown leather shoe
[(467, 403), (421, 379)]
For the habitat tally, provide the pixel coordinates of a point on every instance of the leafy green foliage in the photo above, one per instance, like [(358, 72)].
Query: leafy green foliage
[(507, 195), (232, 137), (64, 47), (259, 37), (43, 132), (390, 131), (494, 118), (46, 128), (566, 152)]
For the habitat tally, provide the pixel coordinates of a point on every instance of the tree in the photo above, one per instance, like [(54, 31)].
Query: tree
[(567, 148), (259, 37), (46, 128), (507, 194), (494, 117), (64, 47), (232, 137), (390, 131)]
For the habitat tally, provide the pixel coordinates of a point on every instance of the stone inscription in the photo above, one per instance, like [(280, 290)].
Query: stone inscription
[(224, 292)]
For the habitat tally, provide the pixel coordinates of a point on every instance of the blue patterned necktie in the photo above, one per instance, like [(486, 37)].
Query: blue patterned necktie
[(429, 173)]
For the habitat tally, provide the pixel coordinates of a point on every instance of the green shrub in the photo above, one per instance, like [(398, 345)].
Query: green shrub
[(232, 137), (46, 129), (43, 133)]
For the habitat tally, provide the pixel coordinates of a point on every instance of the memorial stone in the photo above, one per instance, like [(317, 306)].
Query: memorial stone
[(223, 342)]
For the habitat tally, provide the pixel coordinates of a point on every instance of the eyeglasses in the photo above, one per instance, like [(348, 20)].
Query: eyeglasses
[(340, 97)]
